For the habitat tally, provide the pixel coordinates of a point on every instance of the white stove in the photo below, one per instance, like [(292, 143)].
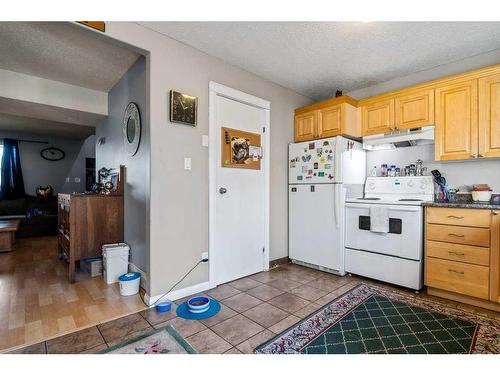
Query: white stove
[(412, 190), (391, 250)]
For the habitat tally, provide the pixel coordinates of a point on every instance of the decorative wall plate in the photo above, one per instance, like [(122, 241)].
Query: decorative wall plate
[(132, 129)]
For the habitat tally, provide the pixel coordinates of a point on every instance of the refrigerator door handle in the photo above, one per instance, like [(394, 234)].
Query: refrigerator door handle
[(336, 204)]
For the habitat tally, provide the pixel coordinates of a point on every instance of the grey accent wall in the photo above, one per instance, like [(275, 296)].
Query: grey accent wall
[(112, 154), (179, 198), (38, 171)]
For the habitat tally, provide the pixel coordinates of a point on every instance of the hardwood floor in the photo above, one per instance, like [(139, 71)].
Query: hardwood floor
[(38, 303)]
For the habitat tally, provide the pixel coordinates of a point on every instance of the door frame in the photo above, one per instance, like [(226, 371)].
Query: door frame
[(216, 89)]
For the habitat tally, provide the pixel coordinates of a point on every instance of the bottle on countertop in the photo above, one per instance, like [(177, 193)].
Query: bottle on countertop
[(392, 171), (374, 173), (383, 170)]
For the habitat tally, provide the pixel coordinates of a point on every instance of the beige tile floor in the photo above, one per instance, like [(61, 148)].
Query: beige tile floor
[(254, 309)]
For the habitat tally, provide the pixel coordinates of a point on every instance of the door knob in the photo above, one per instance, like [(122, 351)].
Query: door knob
[(222, 190)]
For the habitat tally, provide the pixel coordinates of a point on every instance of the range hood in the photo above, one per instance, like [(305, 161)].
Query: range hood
[(399, 138)]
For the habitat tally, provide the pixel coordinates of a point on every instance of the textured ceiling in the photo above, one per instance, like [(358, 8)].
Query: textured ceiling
[(63, 52), (316, 58), (43, 127)]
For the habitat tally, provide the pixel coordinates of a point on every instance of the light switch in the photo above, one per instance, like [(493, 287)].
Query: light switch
[(187, 164), (67, 179), (204, 140)]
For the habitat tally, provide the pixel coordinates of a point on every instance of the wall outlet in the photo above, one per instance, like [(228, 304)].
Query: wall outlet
[(67, 179), (77, 180), (204, 255)]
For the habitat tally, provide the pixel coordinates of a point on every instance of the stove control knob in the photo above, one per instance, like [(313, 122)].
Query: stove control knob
[(410, 183), (371, 185)]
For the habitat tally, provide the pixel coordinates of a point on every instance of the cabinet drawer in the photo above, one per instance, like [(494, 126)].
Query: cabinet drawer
[(460, 235), (457, 277), (458, 252), (459, 216)]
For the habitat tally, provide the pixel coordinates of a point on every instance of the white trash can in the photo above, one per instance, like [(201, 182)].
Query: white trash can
[(115, 261), (129, 283)]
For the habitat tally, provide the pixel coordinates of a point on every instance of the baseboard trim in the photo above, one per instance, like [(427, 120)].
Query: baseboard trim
[(277, 262), (176, 294), (485, 304)]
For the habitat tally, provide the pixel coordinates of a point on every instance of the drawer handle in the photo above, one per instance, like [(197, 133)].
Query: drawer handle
[(456, 235), (456, 253), (455, 271), (455, 217)]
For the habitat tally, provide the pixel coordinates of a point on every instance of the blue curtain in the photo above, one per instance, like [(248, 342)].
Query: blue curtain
[(12, 185)]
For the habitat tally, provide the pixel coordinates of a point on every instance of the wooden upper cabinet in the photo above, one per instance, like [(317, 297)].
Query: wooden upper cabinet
[(414, 110), (306, 126), (489, 116), (330, 121), (329, 118), (377, 117), (456, 112)]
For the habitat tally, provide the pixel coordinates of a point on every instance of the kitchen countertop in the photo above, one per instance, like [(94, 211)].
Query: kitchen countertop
[(483, 205)]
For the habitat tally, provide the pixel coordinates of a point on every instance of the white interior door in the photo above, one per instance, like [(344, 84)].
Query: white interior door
[(240, 198)]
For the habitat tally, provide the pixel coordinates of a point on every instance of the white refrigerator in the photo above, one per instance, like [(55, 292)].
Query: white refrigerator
[(322, 174)]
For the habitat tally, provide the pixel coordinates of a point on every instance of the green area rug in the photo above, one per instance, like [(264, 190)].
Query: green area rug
[(162, 341), (370, 319)]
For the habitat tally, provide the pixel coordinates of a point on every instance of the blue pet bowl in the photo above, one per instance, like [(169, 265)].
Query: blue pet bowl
[(163, 306), (198, 304)]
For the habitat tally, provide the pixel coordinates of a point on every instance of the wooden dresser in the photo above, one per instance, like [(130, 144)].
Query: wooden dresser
[(462, 255), (88, 221)]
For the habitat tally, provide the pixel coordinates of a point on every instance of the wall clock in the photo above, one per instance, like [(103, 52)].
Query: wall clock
[(52, 154), (131, 128), (183, 108)]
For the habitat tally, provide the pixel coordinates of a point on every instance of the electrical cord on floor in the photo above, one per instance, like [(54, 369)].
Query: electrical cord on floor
[(177, 283)]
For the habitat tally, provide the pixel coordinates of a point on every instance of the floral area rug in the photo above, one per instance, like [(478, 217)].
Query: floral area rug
[(371, 319), (162, 341)]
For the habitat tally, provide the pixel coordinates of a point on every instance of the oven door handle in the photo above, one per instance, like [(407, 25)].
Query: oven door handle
[(389, 207)]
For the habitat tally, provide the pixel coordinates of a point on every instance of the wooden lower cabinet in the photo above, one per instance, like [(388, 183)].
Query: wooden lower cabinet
[(86, 222), (458, 277), (462, 260)]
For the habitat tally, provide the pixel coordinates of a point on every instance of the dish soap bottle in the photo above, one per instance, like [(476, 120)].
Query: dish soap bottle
[(373, 173)]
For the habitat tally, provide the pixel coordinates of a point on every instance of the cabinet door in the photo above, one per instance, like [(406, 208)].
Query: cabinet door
[(456, 121), (489, 116), (495, 257), (415, 110), (378, 117), (306, 126), (330, 121)]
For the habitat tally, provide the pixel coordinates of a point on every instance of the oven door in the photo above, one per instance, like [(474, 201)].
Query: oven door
[(405, 237)]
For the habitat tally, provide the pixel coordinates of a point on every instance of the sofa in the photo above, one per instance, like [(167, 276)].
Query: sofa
[(38, 216)]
